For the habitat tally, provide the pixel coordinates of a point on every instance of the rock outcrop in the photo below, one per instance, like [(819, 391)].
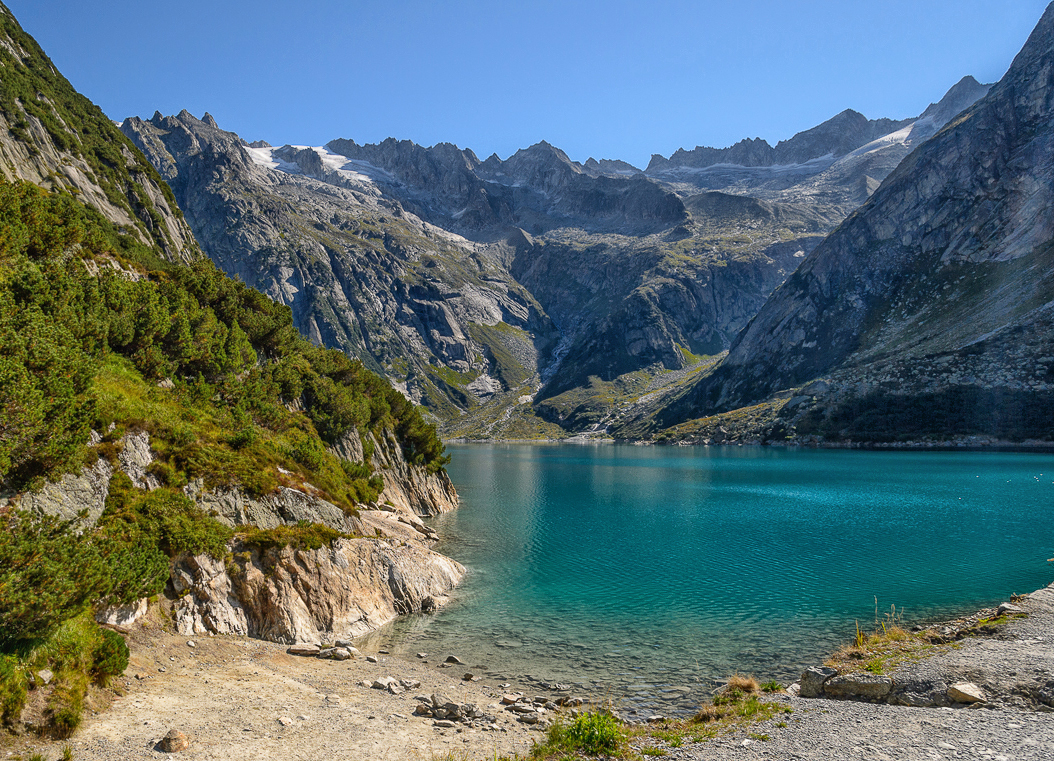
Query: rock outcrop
[(408, 488), (287, 595), (283, 594)]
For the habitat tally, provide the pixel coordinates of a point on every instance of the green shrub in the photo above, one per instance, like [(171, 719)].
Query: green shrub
[(47, 575), (110, 657), (302, 536), (593, 733)]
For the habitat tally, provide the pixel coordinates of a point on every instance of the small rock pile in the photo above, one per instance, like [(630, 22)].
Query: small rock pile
[(392, 685), (340, 650), (448, 714), (533, 710)]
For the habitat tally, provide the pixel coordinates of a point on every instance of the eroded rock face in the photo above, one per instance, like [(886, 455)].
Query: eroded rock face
[(71, 494), (285, 506), (408, 487), (290, 596)]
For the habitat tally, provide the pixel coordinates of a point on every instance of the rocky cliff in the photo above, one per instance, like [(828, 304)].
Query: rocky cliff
[(283, 593), (480, 287), (939, 288)]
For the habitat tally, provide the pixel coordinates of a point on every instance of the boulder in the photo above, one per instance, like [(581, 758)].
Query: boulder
[(174, 742), (304, 649), (966, 692), (927, 694), (813, 679)]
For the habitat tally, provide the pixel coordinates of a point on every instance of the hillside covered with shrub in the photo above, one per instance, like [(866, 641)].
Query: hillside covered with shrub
[(99, 333)]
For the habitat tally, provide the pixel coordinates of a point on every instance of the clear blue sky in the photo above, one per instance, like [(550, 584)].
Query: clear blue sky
[(609, 79)]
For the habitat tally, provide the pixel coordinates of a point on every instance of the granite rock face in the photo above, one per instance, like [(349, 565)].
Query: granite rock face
[(286, 595), (473, 284), (937, 281)]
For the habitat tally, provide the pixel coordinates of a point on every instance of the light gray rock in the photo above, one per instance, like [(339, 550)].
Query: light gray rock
[(335, 653), (813, 679), (1007, 608), (123, 616), (285, 595), (208, 601), (70, 495), (135, 458), (305, 649), (966, 692), (859, 686)]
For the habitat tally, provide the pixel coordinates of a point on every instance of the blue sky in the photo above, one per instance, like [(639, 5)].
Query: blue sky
[(615, 79)]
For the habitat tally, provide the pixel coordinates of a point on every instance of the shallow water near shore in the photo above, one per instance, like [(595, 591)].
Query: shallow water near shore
[(645, 574)]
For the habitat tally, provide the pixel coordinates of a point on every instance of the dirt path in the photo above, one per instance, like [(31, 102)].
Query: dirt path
[(248, 699)]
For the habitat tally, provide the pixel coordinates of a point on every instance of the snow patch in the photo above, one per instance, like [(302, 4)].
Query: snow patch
[(350, 169)]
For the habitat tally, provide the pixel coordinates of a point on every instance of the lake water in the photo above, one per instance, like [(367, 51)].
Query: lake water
[(645, 573)]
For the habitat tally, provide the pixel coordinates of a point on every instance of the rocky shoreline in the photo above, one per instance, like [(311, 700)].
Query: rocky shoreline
[(231, 696)]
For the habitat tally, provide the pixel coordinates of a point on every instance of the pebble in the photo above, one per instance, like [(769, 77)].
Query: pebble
[(454, 659), (191, 643), (371, 659)]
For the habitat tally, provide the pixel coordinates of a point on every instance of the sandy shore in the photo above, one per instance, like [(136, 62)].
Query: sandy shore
[(247, 699)]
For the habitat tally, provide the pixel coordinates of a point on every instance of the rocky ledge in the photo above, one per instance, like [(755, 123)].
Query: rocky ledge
[(382, 568), (1003, 657)]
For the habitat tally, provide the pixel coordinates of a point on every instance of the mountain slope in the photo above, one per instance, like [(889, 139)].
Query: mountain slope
[(834, 167), (53, 136), (940, 282)]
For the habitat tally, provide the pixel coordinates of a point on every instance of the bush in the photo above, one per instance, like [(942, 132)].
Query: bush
[(47, 574), (110, 657), (12, 688), (592, 733), (302, 536)]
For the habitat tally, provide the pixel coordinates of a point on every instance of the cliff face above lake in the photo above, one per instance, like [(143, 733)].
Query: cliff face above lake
[(941, 283)]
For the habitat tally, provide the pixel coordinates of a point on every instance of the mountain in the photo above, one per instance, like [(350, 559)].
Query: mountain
[(479, 286), (54, 137), (834, 166), (936, 297), (533, 295)]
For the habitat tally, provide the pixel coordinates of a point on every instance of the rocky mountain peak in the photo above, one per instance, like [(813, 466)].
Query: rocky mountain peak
[(961, 96), (949, 257)]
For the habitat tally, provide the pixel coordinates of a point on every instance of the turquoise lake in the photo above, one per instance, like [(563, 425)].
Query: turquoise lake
[(645, 573)]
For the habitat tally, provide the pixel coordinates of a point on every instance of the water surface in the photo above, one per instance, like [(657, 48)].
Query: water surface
[(645, 573)]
